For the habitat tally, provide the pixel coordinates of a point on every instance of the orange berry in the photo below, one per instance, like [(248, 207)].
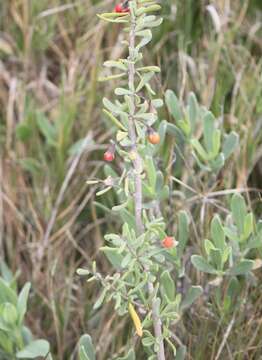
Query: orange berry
[(154, 138), (168, 242)]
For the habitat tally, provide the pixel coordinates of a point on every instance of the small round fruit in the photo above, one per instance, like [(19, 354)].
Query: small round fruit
[(118, 8), (168, 242), (154, 138), (109, 156)]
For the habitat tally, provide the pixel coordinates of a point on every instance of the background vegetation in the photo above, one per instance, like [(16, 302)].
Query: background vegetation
[(52, 137)]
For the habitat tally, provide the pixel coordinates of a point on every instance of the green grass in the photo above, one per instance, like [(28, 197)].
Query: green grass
[(50, 57)]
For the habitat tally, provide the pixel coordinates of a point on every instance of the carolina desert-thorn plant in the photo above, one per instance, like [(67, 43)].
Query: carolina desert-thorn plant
[(143, 254)]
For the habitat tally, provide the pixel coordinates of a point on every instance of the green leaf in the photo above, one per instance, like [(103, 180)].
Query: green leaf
[(86, 344), (9, 313), (148, 22), (128, 218), (37, 348), (113, 256), (209, 128), (217, 233), (5, 345), (201, 164), (100, 299), (114, 15), (216, 142), (158, 103), (200, 150), (144, 80), (183, 232), (102, 192), (248, 226), (108, 17), (7, 294), (146, 38), (193, 293), (231, 234), (122, 91), (216, 257), (233, 288), (82, 272), (202, 265), (167, 285), (47, 129), (6, 273), (150, 117), (149, 69), (115, 64), (192, 110), (126, 260), (230, 144), (173, 105), (218, 163), (184, 126), (148, 341), (110, 106), (143, 10), (175, 131), (241, 268), (151, 171), (162, 132), (239, 211), (114, 120), (22, 301), (129, 356), (26, 335), (226, 253), (208, 246), (256, 241)]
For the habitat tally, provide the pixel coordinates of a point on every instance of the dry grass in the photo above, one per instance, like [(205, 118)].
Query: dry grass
[(50, 56)]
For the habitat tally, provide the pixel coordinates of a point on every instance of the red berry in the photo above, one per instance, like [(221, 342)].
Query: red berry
[(109, 156), (168, 242), (154, 138), (118, 8)]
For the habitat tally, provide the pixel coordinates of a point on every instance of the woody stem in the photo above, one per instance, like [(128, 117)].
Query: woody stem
[(137, 169)]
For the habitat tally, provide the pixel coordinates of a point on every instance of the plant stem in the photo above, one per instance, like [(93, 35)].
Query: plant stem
[(138, 167)]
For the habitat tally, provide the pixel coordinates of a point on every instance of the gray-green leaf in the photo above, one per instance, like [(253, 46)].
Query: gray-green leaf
[(202, 265), (37, 348), (86, 348)]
